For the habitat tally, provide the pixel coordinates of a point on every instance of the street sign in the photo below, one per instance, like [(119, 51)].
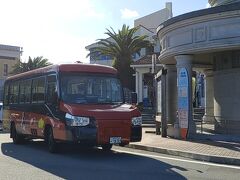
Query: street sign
[(183, 101)]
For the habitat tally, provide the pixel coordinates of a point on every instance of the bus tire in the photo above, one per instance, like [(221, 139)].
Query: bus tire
[(51, 143), (16, 137), (107, 147)]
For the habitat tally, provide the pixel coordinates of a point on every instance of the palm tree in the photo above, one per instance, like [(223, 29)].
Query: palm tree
[(121, 46), (34, 63)]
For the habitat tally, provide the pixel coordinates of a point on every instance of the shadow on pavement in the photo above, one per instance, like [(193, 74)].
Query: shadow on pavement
[(3, 132), (90, 163), (230, 143)]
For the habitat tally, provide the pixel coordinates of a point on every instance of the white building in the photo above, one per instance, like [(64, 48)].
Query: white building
[(107, 60), (151, 21), (143, 67), (143, 63)]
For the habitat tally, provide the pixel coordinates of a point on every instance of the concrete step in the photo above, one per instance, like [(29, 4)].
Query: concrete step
[(147, 111), (148, 118), (147, 115), (148, 121), (199, 110), (197, 116), (149, 125)]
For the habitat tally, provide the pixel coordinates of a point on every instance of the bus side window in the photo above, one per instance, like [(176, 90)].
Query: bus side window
[(38, 89), (27, 91), (14, 90), (51, 90), (6, 95), (22, 95)]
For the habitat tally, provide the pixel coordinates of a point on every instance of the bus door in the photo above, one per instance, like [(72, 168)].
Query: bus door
[(52, 108), (24, 105), (37, 115), (15, 113)]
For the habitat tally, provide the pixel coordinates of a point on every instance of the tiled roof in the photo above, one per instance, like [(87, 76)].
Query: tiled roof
[(144, 60)]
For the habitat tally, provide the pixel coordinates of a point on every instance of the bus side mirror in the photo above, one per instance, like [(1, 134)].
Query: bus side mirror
[(134, 97)]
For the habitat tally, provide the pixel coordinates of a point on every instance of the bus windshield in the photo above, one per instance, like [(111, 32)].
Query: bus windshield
[(91, 89)]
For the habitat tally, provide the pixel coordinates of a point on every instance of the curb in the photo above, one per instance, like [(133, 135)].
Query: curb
[(191, 155)]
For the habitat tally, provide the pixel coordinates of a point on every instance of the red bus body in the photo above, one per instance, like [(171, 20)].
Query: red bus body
[(32, 117)]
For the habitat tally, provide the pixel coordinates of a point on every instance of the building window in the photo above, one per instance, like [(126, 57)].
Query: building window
[(5, 69), (97, 56), (104, 57)]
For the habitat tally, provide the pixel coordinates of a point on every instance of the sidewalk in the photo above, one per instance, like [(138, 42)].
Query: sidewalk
[(205, 150)]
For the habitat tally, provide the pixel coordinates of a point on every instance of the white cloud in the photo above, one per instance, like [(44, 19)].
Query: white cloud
[(208, 5), (128, 14)]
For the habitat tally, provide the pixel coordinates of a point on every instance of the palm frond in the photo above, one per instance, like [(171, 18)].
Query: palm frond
[(31, 64), (121, 45)]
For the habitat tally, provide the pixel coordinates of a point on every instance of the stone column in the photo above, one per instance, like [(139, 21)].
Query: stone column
[(185, 61), (140, 85), (136, 82), (209, 97), (171, 93)]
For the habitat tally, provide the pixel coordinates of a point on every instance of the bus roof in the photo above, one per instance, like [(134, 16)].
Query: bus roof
[(87, 68)]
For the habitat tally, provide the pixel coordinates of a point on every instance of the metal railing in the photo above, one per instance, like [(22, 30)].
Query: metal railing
[(219, 125)]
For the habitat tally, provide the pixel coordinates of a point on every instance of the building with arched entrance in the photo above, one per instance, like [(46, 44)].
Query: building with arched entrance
[(206, 41)]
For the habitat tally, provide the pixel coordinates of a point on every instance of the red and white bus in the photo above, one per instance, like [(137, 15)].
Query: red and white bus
[(76, 103)]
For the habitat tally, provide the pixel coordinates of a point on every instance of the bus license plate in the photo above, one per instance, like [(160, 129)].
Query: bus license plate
[(115, 140)]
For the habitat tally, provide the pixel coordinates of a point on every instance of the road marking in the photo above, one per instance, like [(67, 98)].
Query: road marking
[(178, 159)]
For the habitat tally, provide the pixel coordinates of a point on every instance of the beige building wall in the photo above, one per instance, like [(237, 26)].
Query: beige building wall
[(9, 56), (10, 64)]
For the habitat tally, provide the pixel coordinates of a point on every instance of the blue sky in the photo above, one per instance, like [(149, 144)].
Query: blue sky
[(60, 29)]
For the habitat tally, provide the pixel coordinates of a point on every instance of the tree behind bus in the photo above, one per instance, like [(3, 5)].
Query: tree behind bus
[(34, 63), (121, 46)]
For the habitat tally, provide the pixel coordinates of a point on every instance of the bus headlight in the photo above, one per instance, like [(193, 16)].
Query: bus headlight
[(137, 121), (76, 120)]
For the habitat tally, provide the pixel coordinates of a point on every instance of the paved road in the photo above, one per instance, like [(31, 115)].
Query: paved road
[(32, 161)]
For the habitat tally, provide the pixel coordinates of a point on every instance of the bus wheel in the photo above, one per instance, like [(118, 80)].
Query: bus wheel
[(107, 147), (52, 145), (17, 138)]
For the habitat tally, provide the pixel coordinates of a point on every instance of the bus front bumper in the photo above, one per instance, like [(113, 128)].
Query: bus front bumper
[(86, 135)]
